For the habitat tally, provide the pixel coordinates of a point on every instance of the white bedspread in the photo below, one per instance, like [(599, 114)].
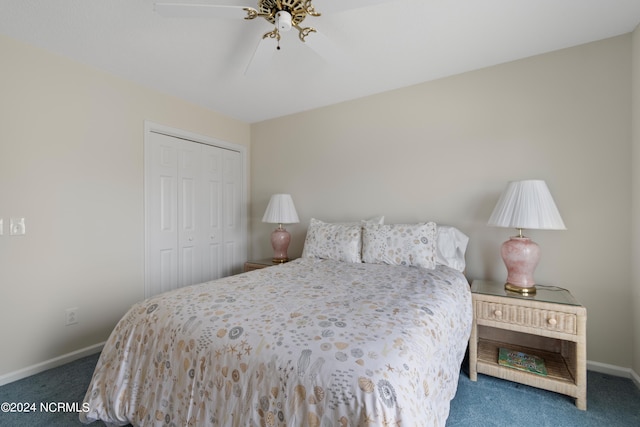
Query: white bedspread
[(312, 342)]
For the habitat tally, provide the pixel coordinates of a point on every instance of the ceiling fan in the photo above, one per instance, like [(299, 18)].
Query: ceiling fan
[(283, 14)]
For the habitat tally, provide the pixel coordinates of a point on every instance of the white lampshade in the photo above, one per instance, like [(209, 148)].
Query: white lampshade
[(281, 210), (527, 204)]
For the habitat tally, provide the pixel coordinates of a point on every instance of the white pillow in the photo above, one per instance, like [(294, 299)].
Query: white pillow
[(362, 222), (333, 241), (450, 247), (400, 244)]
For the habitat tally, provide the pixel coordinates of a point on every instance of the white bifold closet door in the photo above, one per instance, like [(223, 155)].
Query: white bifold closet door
[(193, 212)]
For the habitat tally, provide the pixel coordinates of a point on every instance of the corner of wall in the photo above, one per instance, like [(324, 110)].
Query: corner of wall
[(635, 199)]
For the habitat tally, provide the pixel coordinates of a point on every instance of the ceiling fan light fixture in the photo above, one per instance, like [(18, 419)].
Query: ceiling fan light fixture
[(283, 20)]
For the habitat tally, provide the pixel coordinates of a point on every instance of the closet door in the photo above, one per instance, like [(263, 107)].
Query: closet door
[(161, 223), (231, 205), (190, 233), (212, 214), (194, 213)]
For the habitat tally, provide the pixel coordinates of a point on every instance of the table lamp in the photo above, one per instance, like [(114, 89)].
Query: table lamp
[(524, 204), (280, 210)]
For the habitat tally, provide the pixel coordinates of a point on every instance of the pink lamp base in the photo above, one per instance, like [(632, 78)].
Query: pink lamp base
[(280, 239), (520, 256)]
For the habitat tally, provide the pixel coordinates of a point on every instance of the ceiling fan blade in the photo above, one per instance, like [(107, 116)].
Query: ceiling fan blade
[(334, 6), (327, 50), (261, 56), (188, 10)]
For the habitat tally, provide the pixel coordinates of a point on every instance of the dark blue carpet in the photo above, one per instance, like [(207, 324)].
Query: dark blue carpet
[(611, 401)]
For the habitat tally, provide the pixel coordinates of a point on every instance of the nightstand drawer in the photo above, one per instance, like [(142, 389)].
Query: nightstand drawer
[(527, 316)]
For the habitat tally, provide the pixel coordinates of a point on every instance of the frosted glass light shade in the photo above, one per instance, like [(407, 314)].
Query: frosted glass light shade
[(527, 204), (283, 20), (281, 210)]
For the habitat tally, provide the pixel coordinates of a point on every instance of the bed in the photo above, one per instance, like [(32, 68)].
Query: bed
[(319, 341)]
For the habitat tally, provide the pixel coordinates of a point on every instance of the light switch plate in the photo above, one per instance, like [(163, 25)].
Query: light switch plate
[(17, 227), (1, 227)]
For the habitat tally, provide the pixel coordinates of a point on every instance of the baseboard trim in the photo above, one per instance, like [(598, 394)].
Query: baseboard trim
[(51, 363), (614, 370)]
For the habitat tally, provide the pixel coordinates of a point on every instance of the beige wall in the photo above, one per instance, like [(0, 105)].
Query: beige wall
[(444, 151), (71, 163), (636, 200)]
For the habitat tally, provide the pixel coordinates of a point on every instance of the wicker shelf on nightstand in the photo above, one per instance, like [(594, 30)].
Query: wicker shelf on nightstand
[(550, 324)]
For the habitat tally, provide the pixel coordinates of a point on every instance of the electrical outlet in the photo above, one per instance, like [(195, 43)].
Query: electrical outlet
[(71, 316)]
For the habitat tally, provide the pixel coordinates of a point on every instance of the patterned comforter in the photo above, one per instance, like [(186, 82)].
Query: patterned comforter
[(312, 342)]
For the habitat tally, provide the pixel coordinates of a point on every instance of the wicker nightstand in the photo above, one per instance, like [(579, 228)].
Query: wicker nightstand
[(550, 324), (258, 264)]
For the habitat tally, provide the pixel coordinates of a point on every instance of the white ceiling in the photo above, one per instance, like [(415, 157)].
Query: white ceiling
[(390, 45)]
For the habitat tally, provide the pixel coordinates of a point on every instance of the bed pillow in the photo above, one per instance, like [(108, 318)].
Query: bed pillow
[(333, 241), (450, 247), (400, 244), (362, 222)]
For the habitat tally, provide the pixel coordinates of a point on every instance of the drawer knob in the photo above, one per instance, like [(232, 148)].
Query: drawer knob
[(498, 313), (552, 321)]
